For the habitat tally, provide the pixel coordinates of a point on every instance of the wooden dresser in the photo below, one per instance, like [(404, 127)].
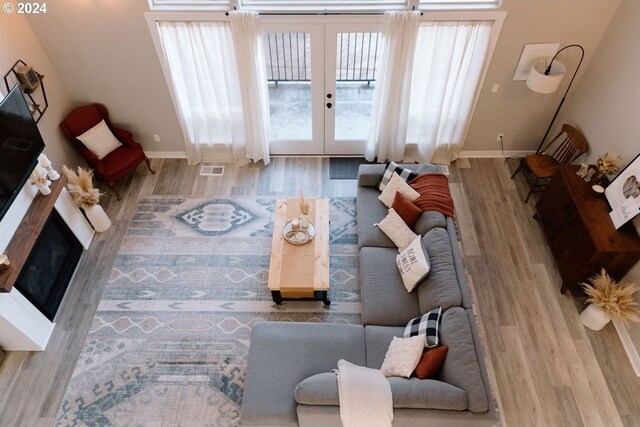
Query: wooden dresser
[(580, 233)]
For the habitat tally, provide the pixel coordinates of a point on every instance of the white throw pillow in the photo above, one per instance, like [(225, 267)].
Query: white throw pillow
[(398, 231), (99, 140), (397, 184), (403, 356), (413, 264)]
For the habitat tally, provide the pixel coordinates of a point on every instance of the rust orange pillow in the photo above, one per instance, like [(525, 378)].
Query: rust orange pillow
[(430, 362), (409, 212)]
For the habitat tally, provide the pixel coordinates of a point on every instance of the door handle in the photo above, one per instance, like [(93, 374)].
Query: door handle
[(329, 105), (329, 95)]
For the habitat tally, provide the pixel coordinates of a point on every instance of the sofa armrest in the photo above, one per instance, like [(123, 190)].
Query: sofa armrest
[(370, 175)]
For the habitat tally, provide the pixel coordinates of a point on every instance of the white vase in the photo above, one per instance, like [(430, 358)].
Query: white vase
[(44, 189), (594, 318), (304, 221), (98, 218)]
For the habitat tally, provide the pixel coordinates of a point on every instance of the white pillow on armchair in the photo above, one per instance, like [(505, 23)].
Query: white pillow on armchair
[(99, 140)]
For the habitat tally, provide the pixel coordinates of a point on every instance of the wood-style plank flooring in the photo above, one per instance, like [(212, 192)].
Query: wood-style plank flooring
[(548, 370)]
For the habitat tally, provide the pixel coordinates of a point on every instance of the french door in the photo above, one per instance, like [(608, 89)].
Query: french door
[(321, 82)]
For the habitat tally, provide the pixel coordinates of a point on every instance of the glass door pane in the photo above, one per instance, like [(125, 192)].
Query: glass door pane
[(350, 75), (288, 60), (292, 55), (357, 55)]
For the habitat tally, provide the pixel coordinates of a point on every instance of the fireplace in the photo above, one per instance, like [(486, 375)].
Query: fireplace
[(46, 274)]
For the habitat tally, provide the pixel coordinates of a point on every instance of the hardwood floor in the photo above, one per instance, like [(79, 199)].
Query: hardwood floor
[(548, 369)]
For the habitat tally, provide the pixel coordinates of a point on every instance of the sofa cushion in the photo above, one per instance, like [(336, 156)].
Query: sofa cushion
[(426, 394), (308, 349), (461, 367), (319, 389), (428, 325), (322, 389), (371, 211), (397, 185), (428, 221), (409, 212), (403, 356), (385, 301), (431, 362), (440, 288), (413, 264), (392, 167), (397, 230), (458, 262)]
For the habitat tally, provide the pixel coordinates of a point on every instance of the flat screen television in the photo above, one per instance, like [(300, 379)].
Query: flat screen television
[(20, 146)]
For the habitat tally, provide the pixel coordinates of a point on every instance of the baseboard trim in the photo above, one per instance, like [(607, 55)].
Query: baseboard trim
[(629, 347), (493, 154), (166, 154)]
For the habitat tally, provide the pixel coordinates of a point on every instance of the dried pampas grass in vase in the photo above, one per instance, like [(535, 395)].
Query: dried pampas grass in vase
[(80, 186), (85, 196), (304, 207), (609, 299)]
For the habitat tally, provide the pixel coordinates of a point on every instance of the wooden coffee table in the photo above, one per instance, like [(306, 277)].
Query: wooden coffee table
[(300, 272)]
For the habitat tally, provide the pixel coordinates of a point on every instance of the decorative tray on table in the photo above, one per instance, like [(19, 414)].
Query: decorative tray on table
[(299, 236)]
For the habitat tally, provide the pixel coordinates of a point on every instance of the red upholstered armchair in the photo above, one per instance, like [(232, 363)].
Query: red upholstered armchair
[(120, 162)]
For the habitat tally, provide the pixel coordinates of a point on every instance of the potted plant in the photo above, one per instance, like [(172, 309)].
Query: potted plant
[(608, 300), (80, 186)]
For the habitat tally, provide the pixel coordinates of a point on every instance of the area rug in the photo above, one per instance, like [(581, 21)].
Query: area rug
[(345, 167), (169, 342)]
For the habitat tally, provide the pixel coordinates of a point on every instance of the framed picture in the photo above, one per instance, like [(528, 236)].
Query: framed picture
[(625, 187)]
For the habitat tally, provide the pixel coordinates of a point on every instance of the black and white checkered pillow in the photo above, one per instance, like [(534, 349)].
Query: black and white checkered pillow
[(406, 174), (428, 325)]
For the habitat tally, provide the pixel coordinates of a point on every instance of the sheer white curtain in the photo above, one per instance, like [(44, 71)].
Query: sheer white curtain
[(217, 120), (448, 63), (252, 74), (390, 113)]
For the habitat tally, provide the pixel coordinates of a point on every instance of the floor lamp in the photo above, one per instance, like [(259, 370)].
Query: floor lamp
[(547, 81)]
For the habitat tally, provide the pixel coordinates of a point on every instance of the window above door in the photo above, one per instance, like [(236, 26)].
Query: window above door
[(320, 5)]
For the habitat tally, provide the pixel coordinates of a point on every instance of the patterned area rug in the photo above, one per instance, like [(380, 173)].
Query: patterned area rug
[(169, 342)]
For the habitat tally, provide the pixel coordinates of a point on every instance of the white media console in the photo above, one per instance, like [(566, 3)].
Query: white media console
[(22, 325)]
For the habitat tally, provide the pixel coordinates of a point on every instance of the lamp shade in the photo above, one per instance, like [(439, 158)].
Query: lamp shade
[(537, 81)]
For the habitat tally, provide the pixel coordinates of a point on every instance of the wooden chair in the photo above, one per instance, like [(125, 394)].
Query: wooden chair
[(120, 162), (566, 147)]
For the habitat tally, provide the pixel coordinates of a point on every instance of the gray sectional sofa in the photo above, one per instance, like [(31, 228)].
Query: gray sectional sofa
[(288, 381)]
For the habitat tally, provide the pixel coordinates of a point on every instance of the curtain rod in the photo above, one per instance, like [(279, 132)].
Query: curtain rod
[(324, 13)]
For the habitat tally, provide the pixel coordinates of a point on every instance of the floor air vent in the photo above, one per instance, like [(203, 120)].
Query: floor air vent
[(212, 170)]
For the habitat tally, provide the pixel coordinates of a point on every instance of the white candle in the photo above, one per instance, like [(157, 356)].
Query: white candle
[(44, 161), (39, 172)]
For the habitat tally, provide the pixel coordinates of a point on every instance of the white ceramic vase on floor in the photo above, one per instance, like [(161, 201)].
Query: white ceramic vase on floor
[(98, 218), (594, 318)]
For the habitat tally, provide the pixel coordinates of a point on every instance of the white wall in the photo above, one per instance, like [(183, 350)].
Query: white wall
[(104, 52), (607, 102), (521, 114), (18, 41)]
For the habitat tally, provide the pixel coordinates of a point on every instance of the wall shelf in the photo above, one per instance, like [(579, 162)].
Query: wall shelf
[(37, 110)]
